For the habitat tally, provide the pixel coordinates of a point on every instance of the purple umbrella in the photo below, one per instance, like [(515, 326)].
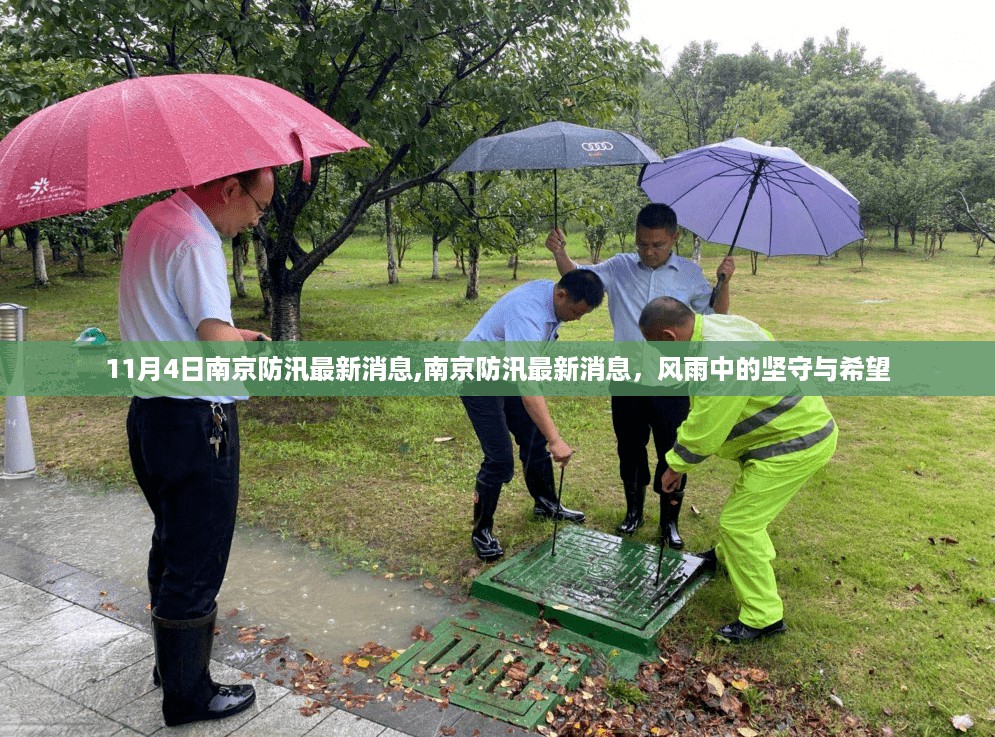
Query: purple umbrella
[(763, 198)]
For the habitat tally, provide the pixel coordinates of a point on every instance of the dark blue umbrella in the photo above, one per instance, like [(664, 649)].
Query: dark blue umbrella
[(761, 198), (554, 146)]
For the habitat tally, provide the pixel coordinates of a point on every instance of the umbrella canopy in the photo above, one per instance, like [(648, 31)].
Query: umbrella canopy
[(762, 198), (554, 146), (151, 134)]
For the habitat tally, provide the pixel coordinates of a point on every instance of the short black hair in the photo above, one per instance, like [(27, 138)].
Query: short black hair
[(657, 215), (583, 284), (665, 312)]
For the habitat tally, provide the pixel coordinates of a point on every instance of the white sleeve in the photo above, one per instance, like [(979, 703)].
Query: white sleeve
[(201, 283)]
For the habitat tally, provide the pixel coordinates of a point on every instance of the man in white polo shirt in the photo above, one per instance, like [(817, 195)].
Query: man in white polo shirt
[(185, 450), (632, 280)]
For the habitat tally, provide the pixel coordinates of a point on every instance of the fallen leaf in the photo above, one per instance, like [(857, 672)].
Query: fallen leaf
[(561, 607), (232, 613), (447, 731), (443, 439), (363, 663), (950, 541), (429, 585), (887, 732), (103, 593), (740, 684), (420, 633), (747, 732), (836, 700), (109, 606), (715, 685), (915, 589), (962, 722), (695, 510)]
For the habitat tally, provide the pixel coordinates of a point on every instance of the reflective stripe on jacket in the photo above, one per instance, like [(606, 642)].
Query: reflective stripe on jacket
[(745, 428)]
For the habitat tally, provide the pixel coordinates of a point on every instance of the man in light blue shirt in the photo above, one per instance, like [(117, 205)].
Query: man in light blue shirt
[(632, 281), (532, 312), (185, 450)]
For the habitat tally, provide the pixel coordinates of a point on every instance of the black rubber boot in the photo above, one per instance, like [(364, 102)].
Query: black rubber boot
[(183, 656), (670, 510), (635, 497), (485, 502), (155, 671), (541, 485)]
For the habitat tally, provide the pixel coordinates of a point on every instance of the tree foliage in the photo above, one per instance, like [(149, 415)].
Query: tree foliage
[(417, 79)]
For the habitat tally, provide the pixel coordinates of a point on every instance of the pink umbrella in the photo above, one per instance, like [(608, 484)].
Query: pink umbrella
[(152, 134)]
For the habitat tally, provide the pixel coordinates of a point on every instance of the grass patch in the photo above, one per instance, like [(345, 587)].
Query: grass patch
[(879, 614)]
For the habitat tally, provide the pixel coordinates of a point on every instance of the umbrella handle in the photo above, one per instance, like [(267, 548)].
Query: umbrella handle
[(716, 290)]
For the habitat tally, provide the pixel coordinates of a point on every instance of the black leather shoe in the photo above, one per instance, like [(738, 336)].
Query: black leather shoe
[(546, 509), (487, 546), (739, 632)]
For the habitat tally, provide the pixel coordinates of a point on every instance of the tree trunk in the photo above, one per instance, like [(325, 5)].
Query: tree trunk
[(33, 241), (696, 251), (239, 257), (435, 258), (895, 238), (473, 273), (514, 272), (117, 240), (262, 269), (754, 258), (78, 249), (391, 253), (10, 237), (286, 320)]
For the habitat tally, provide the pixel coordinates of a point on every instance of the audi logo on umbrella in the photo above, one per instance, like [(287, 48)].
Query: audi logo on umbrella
[(596, 146)]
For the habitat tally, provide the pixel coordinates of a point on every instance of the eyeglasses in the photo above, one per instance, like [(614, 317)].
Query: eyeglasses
[(656, 246), (259, 208)]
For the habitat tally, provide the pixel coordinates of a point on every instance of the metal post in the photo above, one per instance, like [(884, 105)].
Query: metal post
[(19, 452)]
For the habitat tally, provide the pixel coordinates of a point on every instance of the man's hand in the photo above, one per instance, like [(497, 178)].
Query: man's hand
[(560, 451), (671, 481), (727, 267), (556, 241)]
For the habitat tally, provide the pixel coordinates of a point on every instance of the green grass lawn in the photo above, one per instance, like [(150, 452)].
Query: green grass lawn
[(882, 611)]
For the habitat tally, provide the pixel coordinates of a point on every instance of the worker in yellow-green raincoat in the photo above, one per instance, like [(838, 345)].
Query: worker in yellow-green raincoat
[(779, 443)]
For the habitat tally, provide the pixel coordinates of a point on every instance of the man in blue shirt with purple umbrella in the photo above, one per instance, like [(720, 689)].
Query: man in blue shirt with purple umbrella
[(632, 281), (531, 313)]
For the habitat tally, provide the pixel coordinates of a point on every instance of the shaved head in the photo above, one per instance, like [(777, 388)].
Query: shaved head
[(666, 318)]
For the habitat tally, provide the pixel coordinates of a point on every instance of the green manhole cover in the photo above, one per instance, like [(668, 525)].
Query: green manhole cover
[(504, 676), (598, 585)]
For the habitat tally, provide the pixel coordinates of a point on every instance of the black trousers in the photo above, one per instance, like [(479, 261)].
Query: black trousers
[(633, 419), (492, 419), (193, 495)]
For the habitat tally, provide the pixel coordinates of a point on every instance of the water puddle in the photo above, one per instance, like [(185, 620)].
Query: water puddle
[(280, 583)]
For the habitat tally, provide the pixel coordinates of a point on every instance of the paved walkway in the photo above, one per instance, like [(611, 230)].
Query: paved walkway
[(76, 660)]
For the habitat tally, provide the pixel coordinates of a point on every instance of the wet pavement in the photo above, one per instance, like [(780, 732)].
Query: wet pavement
[(76, 653)]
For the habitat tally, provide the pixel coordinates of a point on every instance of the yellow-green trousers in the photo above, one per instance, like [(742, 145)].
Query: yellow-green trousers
[(762, 490)]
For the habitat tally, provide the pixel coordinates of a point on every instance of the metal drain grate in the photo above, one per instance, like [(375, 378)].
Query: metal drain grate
[(503, 678), (598, 585)]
